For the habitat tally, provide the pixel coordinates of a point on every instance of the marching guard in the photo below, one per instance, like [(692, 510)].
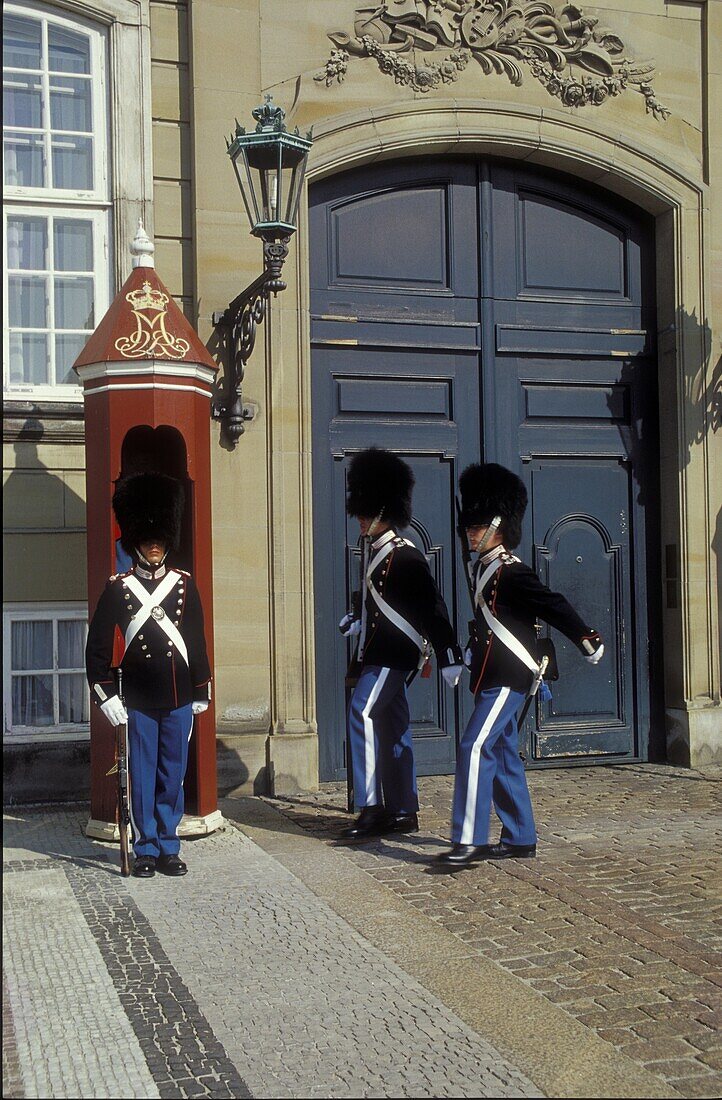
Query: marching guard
[(399, 619), (165, 672), (508, 598)]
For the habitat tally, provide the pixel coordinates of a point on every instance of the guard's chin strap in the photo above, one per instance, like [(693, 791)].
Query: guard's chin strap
[(374, 524), (144, 561), (490, 531)]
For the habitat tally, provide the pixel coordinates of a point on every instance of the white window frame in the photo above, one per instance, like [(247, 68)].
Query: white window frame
[(97, 35), (19, 735), (101, 279), (94, 204)]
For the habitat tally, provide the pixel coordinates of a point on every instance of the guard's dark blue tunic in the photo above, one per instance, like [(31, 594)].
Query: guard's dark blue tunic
[(160, 618)]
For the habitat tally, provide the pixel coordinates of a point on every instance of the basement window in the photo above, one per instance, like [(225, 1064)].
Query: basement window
[(46, 692)]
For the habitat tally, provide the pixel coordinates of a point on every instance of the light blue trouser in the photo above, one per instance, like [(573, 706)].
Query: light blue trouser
[(382, 752), (157, 761), (488, 767)]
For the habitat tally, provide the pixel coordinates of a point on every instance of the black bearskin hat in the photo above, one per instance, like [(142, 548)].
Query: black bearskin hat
[(489, 490), (148, 506), (380, 482)]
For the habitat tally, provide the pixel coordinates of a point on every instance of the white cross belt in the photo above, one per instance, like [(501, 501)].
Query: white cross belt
[(503, 633), (149, 601), (388, 611)]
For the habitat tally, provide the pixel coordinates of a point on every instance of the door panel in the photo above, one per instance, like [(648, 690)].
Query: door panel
[(582, 543), (565, 247), (370, 244)]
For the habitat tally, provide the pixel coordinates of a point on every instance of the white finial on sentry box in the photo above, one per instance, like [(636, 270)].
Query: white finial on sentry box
[(142, 248)]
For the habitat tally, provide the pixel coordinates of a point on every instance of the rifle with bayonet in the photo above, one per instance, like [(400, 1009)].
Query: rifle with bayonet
[(468, 569), (120, 770)]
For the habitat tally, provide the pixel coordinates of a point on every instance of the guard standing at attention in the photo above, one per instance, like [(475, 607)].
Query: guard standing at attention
[(399, 620), (508, 597), (165, 672)]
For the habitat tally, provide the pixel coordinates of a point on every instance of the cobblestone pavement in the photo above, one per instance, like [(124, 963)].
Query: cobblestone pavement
[(235, 981), (616, 922)]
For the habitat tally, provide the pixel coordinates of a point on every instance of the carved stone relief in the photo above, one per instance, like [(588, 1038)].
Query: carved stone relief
[(575, 59)]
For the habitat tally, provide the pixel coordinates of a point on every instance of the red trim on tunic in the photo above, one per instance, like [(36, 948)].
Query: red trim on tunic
[(491, 641)]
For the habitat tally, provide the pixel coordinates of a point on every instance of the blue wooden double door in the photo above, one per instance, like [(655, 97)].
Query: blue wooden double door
[(465, 311)]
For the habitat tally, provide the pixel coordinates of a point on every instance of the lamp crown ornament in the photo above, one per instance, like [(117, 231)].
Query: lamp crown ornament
[(269, 117), (142, 247)]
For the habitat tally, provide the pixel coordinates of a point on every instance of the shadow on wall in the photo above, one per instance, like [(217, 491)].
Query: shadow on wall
[(703, 420), (37, 502), (220, 347), (702, 412)]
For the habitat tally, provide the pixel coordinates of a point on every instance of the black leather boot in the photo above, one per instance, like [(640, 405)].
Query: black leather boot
[(402, 823), (460, 856), (371, 822), (511, 851), (172, 865), (144, 867)]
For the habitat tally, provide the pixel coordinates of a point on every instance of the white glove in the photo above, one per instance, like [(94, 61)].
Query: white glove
[(594, 658), (467, 656), (349, 626), (199, 707), (114, 711), (452, 674)]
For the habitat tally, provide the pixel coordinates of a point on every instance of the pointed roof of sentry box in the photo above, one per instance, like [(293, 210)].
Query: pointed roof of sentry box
[(143, 322)]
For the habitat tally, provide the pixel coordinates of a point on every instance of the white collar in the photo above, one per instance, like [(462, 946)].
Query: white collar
[(383, 539), (147, 575), (490, 555)]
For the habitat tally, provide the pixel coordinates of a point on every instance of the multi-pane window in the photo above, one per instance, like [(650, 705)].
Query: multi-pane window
[(52, 260), (49, 103), (45, 684), (56, 219)]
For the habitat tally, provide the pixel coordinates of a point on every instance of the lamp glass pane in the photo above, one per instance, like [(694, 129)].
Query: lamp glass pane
[(267, 189), (280, 188), (294, 191), (240, 169)]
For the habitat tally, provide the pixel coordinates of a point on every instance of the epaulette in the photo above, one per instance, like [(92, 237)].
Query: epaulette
[(116, 575), (508, 559), (183, 571)]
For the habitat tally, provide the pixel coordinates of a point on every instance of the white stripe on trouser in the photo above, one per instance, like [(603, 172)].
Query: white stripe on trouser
[(467, 832), (370, 741)]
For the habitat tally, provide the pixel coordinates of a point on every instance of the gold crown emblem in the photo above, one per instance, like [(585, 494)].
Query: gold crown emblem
[(147, 298)]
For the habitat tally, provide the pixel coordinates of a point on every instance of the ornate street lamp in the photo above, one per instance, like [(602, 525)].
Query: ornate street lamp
[(270, 165)]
